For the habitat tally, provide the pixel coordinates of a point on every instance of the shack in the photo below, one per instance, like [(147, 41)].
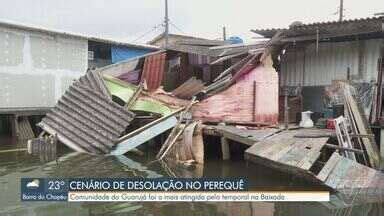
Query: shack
[(314, 56), (37, 65)]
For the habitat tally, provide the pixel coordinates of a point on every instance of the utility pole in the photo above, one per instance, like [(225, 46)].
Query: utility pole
[(224, 33), (341, 9), (166, 23)]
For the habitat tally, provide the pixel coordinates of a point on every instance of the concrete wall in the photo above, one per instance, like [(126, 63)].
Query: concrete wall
[(310, 67), (36, 68)]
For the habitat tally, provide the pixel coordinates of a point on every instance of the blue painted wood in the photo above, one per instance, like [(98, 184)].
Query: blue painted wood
[(144, 136)]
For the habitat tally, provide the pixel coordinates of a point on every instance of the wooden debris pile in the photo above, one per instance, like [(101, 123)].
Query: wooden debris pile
[(363, 138)]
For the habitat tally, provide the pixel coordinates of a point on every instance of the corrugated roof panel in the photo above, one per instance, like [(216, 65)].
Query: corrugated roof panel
[(331, 62), (93, 80), (153, 70), (363, 24), (87, 120), (245, 101)]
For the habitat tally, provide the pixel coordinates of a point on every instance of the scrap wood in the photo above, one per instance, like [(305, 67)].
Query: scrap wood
[(332, 146), (246, 68), (218, 85), (234, 67), (224, 58), (176, 128), (131, 134), (189, 146), (359, 124), (135, 95), (189, 88), (13, 150), (315, 135), (144, 135), (172, 141)]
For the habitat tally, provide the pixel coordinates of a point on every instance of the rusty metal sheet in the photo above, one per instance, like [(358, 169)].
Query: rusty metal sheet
[(153, 70), (188, 89), (253, 98), (86, 120)]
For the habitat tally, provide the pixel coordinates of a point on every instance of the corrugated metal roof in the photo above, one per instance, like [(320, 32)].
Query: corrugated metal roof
[(87, 120), (93, 80), (310, 66), (30, 27), (370, 24), (153, 70)]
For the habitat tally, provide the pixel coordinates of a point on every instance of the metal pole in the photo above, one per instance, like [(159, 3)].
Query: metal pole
[(224, 33), (166, 22), (341, 8)]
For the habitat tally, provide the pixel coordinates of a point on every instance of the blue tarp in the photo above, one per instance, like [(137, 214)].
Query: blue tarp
[(120, 53)]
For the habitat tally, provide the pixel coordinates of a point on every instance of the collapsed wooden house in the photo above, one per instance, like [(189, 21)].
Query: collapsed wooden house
[(241, 93)]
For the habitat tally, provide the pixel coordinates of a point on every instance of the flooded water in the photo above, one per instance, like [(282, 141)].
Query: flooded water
[(14, 165)]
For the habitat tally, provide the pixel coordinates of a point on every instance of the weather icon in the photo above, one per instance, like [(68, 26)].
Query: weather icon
[(33, 184)]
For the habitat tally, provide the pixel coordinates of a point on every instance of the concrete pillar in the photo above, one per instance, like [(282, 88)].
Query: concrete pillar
[(225, 148)]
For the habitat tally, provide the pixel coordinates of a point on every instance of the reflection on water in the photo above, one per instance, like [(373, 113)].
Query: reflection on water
[(15, 165)]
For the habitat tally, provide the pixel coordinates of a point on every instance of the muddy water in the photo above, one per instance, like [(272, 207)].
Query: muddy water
[(15, 165)]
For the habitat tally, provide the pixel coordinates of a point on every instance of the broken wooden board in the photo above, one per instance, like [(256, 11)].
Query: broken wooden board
[(289, 154), (344, 174), (358, 120), (289, 151), (145, 135), (244, 136)]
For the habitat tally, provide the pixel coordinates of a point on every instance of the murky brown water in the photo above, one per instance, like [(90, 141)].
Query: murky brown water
[(15, 165)]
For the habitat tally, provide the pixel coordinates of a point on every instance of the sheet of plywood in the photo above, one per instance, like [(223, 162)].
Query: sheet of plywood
[(328, 167)]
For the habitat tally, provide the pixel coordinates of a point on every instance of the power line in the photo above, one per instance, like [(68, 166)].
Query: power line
[(177, 28), (146, 33)]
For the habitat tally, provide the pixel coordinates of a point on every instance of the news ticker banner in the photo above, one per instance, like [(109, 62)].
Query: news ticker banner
[(155, 190)]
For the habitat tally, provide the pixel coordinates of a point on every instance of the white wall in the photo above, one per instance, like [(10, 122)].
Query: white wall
[(36, 68), (310, 67)]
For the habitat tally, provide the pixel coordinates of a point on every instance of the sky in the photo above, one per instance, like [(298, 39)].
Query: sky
[(139, 21)]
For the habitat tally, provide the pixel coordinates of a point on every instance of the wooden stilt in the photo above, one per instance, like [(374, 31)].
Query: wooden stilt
[(382, 148), (14, 126)]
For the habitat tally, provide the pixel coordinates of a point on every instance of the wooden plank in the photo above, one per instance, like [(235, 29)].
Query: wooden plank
[(337, 175), (382, 147), (143, 136), (276, 148), (13, 150), (369, 144), (145, 127), (173, 141), (314, 153), (281, 152), (261, 146), (329, 166), (307, 162), (296, 154), (247, 137)]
